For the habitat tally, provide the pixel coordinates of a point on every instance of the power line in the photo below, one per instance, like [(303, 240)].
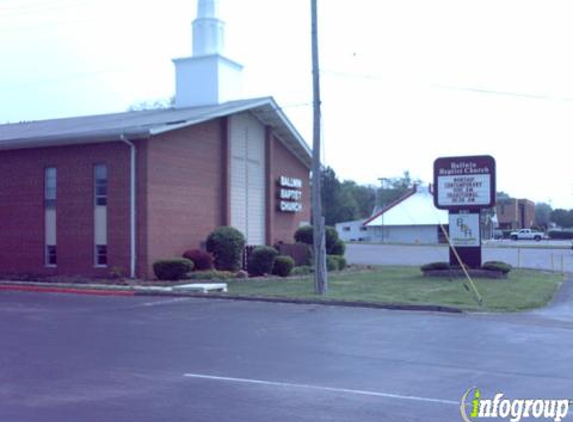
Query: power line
[(67, 78), (40, 7), (470, 89)]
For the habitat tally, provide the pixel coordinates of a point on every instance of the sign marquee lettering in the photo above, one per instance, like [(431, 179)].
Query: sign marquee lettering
[(464, 186), (289, 194), (464, 183)]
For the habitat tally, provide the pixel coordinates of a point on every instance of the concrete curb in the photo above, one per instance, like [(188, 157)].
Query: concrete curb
[(103, 290), (72, 290), (337, 303)]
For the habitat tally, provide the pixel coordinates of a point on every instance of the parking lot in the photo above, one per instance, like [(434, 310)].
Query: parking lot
[(87, 358), (554, 256)]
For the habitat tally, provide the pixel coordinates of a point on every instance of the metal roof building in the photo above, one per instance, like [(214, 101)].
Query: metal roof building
[(413, 218)]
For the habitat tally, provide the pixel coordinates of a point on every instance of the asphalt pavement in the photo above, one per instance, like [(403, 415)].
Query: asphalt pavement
[(519, 254), (87, 358)]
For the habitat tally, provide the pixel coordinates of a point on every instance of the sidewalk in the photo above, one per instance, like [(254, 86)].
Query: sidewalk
[(561, 307)]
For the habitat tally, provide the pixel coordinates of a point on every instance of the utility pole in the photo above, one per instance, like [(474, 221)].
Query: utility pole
[(320, 273)]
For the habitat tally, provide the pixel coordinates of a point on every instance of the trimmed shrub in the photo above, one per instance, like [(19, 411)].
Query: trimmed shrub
[(333, 244), (304, 234), (435, 266), (560, 234), (338, 248), (332, 263), (331, 238), (302, 270), (226, 244), (341, 262), (172, 269), (262, 260), (202, 260), (211, 275), (283, 265), (500, 266)]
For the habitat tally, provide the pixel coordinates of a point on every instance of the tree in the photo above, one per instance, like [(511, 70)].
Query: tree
[(395, 188), (542, 214), (347, 201), (338, 204), (152, 104), (562, 218), (364, 197)]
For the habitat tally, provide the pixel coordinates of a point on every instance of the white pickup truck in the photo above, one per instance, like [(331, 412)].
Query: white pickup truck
[(526, 234)]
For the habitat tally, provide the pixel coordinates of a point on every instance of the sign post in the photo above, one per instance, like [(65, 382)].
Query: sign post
[(464, 186)]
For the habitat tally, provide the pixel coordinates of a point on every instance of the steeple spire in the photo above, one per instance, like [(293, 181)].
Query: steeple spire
[(207, 9), (207, 77), (208, 29)]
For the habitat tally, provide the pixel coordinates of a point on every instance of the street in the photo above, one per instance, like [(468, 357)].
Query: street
[(86, 358), (518, 254)]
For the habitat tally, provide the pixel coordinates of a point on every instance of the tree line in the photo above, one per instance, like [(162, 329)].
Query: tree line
[(347, 200)]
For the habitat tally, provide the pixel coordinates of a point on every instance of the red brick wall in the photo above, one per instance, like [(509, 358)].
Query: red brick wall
[(185, 189), (515, 213), (284, 163), (22, 208), (182, 196)]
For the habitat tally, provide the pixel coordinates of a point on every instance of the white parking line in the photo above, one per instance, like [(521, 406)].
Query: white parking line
[(157, 303), (329, 389)]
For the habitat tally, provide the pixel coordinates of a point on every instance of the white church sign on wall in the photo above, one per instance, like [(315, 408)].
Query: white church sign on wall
[(289, 194)]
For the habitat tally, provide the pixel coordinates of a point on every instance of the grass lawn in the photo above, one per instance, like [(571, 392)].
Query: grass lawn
[(524, 289)]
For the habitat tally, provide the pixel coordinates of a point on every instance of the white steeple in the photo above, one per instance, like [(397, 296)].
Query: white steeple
[(207, 77), (208, 29)]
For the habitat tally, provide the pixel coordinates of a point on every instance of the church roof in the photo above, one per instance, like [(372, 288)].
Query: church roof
[(415, 208), (148, 123)]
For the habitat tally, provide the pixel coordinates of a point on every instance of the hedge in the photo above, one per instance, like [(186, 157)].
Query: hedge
[(211, 275), (283, 265), (172, 269), (332, 263), (500, 266), (202, 260), (560, 234), (333, 244), (262, 260), (226, 244), (435, 266)]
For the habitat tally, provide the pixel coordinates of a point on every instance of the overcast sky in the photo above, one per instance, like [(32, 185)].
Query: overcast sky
[(403, 82)]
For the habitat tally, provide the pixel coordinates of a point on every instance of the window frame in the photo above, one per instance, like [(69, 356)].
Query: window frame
[(101, 185), (49, 252), (98, 254)]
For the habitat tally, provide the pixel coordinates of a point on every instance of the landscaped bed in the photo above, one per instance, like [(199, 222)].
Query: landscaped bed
[(523, 289), (379, 286)]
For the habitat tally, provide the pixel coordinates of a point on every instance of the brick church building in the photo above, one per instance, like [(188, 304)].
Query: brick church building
[(113, 193)]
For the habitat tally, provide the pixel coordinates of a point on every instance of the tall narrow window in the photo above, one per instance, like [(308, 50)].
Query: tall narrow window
[(100, 176), (100, 215), (50, 196)]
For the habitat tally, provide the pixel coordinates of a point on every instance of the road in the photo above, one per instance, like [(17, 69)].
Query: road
[(85, 358), (522, 255)]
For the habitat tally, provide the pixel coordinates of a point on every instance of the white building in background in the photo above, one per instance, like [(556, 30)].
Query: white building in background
[(352, 231), (413, 218)]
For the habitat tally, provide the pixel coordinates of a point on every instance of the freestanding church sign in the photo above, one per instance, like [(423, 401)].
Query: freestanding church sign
[(464, 186)]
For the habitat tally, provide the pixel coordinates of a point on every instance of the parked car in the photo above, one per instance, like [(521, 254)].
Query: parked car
[(527, 234)]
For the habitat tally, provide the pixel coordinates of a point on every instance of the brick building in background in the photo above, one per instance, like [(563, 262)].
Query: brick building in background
[(515, 213), (112, 193)]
